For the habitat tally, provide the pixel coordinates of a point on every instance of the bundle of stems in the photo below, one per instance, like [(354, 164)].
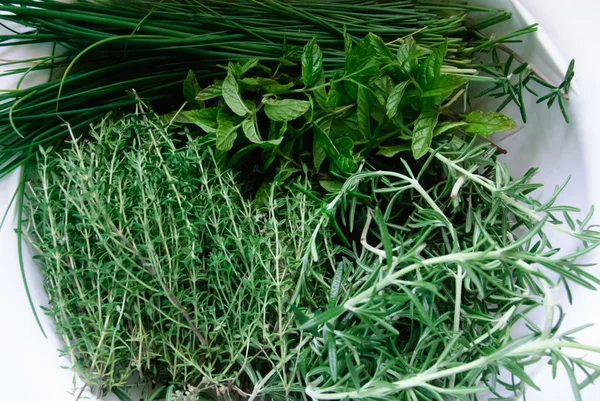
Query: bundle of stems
[(186, 283), (109, 48), (161, 268)]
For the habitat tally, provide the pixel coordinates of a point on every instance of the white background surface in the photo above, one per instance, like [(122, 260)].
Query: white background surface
[(30, 367)]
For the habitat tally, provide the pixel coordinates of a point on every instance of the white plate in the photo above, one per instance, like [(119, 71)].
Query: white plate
[(31, 369)]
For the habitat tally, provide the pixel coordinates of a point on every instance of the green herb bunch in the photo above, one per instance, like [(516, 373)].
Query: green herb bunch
[(100, 50), (381, 104), (401, 284), (325, 222), (440, 280), (157, 266)]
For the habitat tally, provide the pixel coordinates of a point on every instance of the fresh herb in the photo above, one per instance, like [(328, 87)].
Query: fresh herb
[(372, 106), (156, 265), (151, 46), (400, 283), (319, 219)]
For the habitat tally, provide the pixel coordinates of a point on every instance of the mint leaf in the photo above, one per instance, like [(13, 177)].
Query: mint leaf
[(210, 92), (342, 152), (319, 92), (249, 126), (231, 95), (393, 101), (322, 146), (381, 88), (362, 58), (347, 41), (257, 81), (224, 117), (331, 186), (277, 88), (430, 69), (380, 48), (346, 126), (445, 84), (225, 135), (204, 118), (447, 126), (312, 62), (285, 110), (363, 113), (336, 94), (248, 65), (423, 132), (408, 56), (486, 123), (191, 89), (390, 151)]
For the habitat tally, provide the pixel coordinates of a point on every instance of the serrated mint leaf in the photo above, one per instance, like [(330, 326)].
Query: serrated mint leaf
[(344, 145), (390, 151), (249, 126), (447, 126), (226, 135), (342, 152), (430, 69), (445, 84), (286, 62), (320, 93), (362, 60), (393, 101), (210, 92), (191, 89), (423, 132), (380, 48), (331, 186), (408, 56), (312, 63), (257, 81), (347, 41), (486, 123), (363, 113), (248, 65), (322, 146), (224, 116), (333, 97), (381, 88), (204, 118), (277, 88), (285, 110), (231, 95), (345, 164)]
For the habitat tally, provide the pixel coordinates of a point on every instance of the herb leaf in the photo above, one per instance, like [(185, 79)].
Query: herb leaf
[(391, 151), (231, 95), (286, 109), (321, 144), (430, 70), (312, 63), (423, 132), (393, 101), (191, 89), (210, 92), (250, 130), (204, 118), (226, 135), (447, 126), (363, 113), (486, 123), (445, 84)]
